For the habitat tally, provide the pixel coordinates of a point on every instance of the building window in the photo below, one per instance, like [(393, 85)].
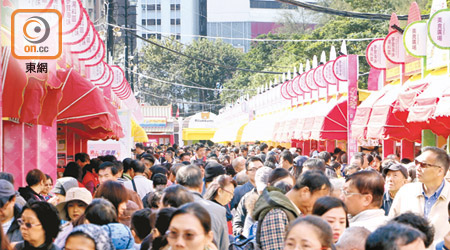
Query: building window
[(151, 21), (178, 37), (175, 7), (158, 36), (158, 21), (175, 21), (158, 7), (144, 22), (144, 6), (151, 7)]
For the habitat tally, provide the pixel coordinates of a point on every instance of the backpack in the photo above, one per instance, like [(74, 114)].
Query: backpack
[(242, 243)]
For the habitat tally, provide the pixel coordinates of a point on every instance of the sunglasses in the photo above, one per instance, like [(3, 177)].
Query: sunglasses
[(424, 164), (26, 224)]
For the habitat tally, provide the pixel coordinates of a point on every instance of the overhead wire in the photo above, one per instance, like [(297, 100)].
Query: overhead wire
[(181, 101)]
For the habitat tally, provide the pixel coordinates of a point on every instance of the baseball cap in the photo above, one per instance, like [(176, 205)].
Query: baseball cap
[(212, 170), (74, 194), (396, 167), (6, 189)]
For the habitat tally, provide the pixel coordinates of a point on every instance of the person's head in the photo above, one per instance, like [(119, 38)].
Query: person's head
[(137, 166), (82, 159), (358, 158), (88, 237), (238, 164), (352, 168), (282, 179), (309, 187), (185, 157), (62, 186), (190, 228), (353, 238), (116, 193), (39, 223), (200, 150), (107, 171), (159, 181), (73, 170), (140, 224), (77, 199), (264, 148), (314, 164), (212, 170), (140, 148), (127, 165), (7, 201), (262, 178), (251, 165), (7, 176), (48, 185), (432, 165), (395, 236), (418, 222), (362, 191), (121, 236), (100, 212), (176, 196), (310, 232), (168, 155), (325, 156), (36, 180), (396, 176), (286, 159), (334, 211), (162, 222), (221, 190), (190, 177), (148, 160)]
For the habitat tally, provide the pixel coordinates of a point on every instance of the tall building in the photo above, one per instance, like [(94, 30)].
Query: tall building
[(183, 19), (241, 20), (94, 8)]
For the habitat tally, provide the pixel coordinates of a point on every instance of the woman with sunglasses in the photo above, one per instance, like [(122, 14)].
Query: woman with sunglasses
[(39, 225), (190, 228), (310, 232)]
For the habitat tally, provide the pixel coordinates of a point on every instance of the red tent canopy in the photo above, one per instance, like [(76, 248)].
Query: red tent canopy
[(330, 122), (383, 124), (422, 114), (85, 104)]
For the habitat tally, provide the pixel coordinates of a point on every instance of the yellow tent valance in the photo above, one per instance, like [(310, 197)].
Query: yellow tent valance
[(138, 133), (193, 134)]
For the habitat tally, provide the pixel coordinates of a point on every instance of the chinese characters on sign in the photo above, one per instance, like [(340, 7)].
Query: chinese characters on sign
[(33, 67)]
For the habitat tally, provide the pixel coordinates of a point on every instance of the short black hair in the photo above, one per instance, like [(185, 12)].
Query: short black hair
[(392, 236), (263, 146), (48, 217), (252, 159), (199, 146), (140, 222), (108, 164), (137, 166), (369, 182), (73, 170), (159, 179), (139, 145), (314, 164), (101, 212), (325, 156), (418, 222), (287, 156), (176, 196), (83, 157), (313, 179), (126, 164)]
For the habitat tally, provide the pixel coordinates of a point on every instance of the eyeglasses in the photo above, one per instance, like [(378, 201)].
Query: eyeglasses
[(27, 225), (346, 193), (424, 164), (174, 235)]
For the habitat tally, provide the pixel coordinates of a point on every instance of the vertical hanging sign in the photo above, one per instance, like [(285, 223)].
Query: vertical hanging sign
[(436, 57), (414, 38), (352, 73)]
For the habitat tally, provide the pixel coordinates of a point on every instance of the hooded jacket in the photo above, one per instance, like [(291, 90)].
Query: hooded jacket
[(273, 201)]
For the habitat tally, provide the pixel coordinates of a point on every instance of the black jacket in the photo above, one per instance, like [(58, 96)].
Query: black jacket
[(29, 195), (14, 234)]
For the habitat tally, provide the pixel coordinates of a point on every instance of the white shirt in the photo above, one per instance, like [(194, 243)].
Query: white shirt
[(143, 185), (370, 219), (7, 225)]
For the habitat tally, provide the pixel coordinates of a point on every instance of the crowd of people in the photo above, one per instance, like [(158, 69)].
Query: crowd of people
[(232, 197)]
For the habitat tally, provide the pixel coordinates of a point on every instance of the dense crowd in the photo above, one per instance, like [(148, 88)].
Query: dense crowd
[(232, 197)]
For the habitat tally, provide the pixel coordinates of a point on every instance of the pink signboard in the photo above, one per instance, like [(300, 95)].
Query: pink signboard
[(340, 68), (328, 74), (352, 101), (375, 55)]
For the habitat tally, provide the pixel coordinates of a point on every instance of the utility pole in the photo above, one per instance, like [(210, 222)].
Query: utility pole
[(126, 42), (109, 33)]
